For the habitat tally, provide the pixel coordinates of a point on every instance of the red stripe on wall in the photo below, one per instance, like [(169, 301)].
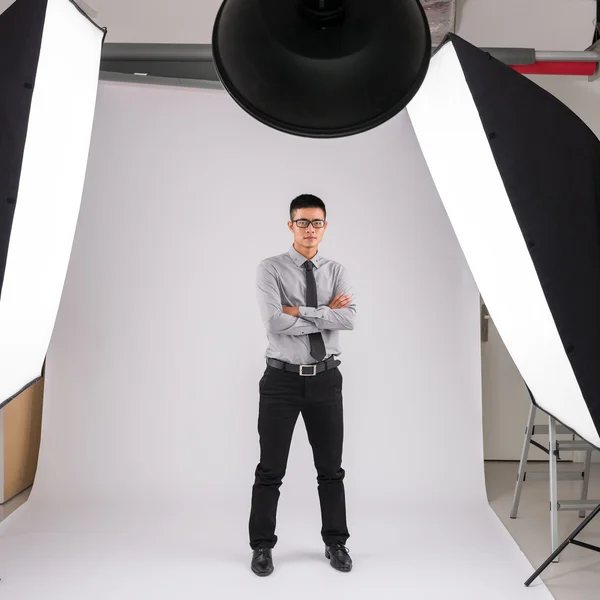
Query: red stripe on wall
[(557, 68)]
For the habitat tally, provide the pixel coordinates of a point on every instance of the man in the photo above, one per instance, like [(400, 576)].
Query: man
[(305, 299)]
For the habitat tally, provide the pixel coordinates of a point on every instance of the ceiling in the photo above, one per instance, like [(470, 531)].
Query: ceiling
[(540, 24)]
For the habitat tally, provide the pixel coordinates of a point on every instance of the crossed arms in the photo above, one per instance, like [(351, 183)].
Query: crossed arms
[(309, 319)]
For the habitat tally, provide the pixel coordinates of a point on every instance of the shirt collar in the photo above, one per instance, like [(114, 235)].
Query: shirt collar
[(300, 260)]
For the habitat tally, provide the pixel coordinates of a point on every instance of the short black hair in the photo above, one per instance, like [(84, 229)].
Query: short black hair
[(306, 201)]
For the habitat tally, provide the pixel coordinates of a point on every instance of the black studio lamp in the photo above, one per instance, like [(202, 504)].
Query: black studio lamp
[(322, 68)]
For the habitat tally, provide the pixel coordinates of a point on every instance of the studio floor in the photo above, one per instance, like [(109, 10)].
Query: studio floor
[(575, 577)]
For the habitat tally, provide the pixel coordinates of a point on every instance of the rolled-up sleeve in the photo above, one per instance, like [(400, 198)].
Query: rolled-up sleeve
[(334, 318), (269, 303)]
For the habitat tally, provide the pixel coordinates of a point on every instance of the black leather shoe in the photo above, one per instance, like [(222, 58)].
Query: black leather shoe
[(262, 562), (338, 557)]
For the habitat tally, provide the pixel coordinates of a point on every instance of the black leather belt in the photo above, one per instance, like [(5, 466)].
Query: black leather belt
[(305, 370)]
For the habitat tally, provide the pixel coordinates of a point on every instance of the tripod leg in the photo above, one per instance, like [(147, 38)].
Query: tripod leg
[(569, 539), (586, 479), (523, 462), (553, 486)]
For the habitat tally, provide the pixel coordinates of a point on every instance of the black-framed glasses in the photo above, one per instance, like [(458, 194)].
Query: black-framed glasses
[(304, 223)]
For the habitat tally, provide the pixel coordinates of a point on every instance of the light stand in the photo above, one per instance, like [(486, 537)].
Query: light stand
[(569, 540)]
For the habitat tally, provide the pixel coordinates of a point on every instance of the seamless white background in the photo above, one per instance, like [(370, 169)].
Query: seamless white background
[(149, 440)]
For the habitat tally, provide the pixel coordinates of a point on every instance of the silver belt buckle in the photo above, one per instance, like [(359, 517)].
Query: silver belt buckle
[(314, 368)]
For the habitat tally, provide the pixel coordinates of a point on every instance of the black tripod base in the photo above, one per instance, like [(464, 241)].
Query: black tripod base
[(570, 540)]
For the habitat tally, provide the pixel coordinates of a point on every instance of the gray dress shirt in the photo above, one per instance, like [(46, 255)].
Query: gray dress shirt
[(281, 281)]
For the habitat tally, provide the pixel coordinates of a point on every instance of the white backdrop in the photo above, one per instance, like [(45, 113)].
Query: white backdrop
[(149, 440)]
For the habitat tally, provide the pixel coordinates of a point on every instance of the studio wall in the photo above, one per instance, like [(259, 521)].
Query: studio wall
[(159, 346)]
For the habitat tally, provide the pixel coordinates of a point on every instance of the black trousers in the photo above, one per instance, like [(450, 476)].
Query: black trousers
[(283, 396)]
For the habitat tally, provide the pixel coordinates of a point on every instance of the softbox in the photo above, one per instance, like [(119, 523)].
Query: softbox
[(519, 176), (49, 67)]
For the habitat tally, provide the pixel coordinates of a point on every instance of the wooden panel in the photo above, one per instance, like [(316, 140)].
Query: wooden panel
[(22, 431)]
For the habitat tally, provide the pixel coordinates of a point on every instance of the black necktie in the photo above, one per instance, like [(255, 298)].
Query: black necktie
[(317, 345)]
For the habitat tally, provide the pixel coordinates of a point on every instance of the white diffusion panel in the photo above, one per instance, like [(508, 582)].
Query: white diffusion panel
[(462, 165), (50, 189)]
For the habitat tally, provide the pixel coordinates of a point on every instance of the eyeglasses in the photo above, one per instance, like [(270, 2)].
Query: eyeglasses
[(304, 223)]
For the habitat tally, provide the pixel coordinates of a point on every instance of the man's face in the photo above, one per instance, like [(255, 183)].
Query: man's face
[(311, 236)]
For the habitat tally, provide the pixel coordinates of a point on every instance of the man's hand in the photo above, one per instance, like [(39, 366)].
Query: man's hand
[(291, 310), (340, 301)]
